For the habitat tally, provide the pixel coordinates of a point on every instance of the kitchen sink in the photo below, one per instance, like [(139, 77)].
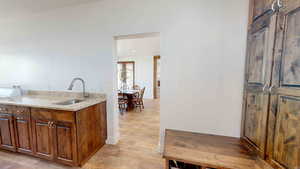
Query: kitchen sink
[(69, 102)]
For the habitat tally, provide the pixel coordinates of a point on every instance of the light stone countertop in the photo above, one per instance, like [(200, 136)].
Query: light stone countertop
[(48, 100)]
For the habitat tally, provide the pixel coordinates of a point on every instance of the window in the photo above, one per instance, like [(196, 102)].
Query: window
[(125, 75)]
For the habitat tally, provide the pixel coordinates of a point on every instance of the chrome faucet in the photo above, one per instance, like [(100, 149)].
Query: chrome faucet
[(83, 86)]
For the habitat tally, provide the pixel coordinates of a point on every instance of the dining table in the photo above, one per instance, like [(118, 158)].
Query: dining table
[(129, 95)]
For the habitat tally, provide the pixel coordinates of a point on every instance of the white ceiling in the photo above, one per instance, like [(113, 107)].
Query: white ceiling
[(13, 8)]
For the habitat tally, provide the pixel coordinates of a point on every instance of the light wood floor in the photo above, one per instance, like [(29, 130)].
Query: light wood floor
[(137, 148)]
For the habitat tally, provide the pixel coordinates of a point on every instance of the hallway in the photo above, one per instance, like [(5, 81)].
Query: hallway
[(137, 149)]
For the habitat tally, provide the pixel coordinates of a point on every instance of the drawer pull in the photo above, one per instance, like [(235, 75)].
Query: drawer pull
[(52, 124)]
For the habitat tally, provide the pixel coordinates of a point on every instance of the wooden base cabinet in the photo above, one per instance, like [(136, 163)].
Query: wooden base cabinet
[(70, 138)]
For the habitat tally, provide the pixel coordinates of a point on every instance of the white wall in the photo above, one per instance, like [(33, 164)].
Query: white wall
[(203, 49), (142, 46), (141, 51)]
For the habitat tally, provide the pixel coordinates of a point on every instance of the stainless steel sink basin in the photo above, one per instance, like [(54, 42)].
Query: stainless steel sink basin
[(69, 102)]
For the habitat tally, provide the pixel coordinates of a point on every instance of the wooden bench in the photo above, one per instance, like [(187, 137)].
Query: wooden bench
[(203, 151)]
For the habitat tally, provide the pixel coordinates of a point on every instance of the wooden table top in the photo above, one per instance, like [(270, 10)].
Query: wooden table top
[(128, 91), (207, 150)]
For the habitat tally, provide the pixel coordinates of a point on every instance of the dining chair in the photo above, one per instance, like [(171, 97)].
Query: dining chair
[(136, 87), (138, 101), (122, 101)]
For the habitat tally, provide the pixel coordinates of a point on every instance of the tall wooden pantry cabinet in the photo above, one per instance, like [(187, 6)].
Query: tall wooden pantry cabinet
[(271, 118)]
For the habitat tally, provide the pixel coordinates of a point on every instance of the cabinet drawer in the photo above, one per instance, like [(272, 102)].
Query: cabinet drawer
[(53, 115), (63, 116), (5, 109), (21, 111), (41, 114)]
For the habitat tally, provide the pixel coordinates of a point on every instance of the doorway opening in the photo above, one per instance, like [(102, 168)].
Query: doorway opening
[(138, 76), (138, 73)]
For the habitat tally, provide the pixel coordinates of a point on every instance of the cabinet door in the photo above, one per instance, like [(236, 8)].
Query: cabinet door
[(286, 146), (7, 140), (43, 139), (65, 142), (256, 115), (261, 39), (23, 134), (261, 7), (284, 126)]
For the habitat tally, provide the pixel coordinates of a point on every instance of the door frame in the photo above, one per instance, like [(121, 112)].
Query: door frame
[(155, 58)]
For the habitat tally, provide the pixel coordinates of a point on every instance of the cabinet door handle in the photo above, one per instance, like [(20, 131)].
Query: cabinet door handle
[(264, 88), (52, 125), (279, 4), (273, 6), (271, 89)]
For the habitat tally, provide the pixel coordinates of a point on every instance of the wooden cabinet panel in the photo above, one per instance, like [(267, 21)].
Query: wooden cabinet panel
[(282, 84), (43, 139), (261, 7), (41, 114), (22, 125), (287, 137), (64, 138), (256, 120), (290, 75), (257, 57), (91, 136), (7, 140), (103, 122), (23, 134), (284, 120), (261, 40), (64, 116), (65, 143)]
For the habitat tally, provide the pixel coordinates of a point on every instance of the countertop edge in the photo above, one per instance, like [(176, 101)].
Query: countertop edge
[(55, 107)]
